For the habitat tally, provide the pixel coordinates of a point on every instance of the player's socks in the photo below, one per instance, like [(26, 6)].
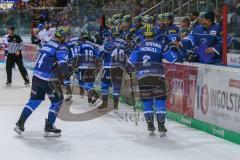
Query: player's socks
[(52, 117), (50, 130), (116, 100)]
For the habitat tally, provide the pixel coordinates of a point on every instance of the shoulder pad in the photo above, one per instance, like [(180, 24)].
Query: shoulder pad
[(109, 46)]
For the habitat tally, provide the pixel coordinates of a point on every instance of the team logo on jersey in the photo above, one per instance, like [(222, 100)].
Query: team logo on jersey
[(203, 40), (213, 33)]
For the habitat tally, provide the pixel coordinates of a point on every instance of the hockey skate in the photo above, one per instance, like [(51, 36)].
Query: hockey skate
[(151, 128), (51, 131), (8, 84), (27, 83), (93, 98), (69, 97), (103, 105), (69, 93), (162, 129), (19, 129)]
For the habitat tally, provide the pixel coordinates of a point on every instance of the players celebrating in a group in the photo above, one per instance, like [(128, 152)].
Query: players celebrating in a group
[(136, 46)]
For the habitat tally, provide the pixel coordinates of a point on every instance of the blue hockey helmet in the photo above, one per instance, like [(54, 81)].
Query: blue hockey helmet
[(40, 26), (61, 32)]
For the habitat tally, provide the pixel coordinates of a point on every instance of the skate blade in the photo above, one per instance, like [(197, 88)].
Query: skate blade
[(68, 99), (8, 85), (151, 133), (104, 110), (163, 134), (18, 131), (50, 134), (96, 102)]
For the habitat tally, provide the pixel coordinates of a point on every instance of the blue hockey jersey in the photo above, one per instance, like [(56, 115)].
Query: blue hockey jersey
[(147, 58), (51, 61), (88, 55), (172, 33), (114, 53), (160, 34), (203, 38), (73, 46)]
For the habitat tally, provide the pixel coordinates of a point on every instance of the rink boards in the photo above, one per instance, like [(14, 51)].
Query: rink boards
[(204, 97)]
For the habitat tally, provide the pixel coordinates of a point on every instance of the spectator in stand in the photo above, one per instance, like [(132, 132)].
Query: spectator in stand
[(194, 19), (218, 16)]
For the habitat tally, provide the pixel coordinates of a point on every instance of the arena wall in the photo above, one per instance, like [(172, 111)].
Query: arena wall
[(205, 97)]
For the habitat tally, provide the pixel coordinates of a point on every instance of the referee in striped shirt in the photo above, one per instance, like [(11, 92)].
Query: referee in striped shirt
[(15, 47)]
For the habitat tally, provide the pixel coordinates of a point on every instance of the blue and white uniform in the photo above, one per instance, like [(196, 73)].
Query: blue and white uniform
[(114, 54), (88, 58), (72, 45), (50, 65), (146, 60), (203, 38)]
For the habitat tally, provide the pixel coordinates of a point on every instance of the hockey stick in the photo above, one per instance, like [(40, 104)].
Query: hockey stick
[(134, 103), (132, 92)]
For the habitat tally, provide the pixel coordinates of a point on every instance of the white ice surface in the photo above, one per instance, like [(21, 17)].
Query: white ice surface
[(104, 138)]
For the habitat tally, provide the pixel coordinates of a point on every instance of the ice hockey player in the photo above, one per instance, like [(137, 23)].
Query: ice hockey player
[(114, 54), (136, 30), (88, 65), (146, 60), (127, 25), (51, 57), (72, 45), (172, 31), (160, 29), (207, 40)]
